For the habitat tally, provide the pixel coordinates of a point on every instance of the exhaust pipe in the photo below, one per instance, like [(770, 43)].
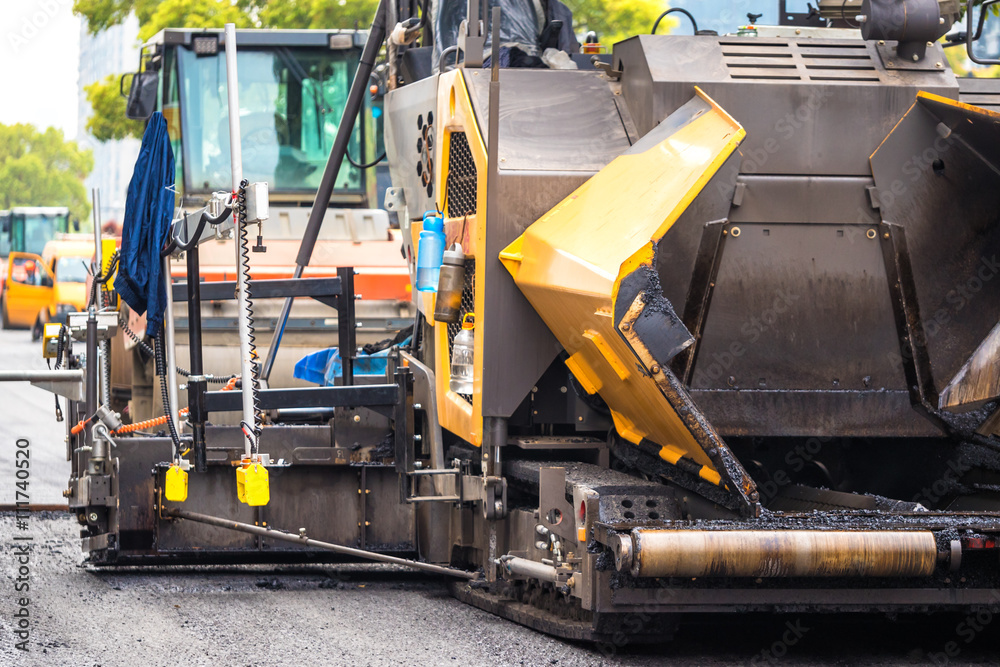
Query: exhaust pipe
[(775, 553)]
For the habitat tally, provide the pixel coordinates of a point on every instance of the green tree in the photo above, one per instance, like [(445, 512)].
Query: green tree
[(613, 21), (42, 169), (107, 120), (196, 14), (318, 14), (618, 20), (102, 14), (154, 15)]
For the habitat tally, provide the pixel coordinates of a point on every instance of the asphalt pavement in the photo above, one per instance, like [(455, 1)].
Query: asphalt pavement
[(354, 614), (29, 412)]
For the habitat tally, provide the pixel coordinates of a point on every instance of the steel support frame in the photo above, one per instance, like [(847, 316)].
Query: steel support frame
[(336, 292)]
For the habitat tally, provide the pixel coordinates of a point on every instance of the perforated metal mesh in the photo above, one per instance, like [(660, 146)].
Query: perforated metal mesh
[(460, 186), (468, 306)]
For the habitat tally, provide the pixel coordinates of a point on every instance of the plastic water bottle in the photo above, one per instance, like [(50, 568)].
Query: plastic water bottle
[(430, 252), (462, 356)]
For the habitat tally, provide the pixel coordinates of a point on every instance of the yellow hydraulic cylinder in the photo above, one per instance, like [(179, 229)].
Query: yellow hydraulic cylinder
[(571, 261)]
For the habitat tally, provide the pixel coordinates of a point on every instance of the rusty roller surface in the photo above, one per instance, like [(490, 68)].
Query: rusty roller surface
[(790, 553)]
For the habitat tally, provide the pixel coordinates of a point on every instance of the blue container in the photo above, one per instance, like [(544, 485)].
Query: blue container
[(323, 367), (312, 367), (430, 252)]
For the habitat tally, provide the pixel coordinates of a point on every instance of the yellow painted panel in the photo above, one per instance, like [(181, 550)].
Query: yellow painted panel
[(588, 379), (609, 355), (455, 114), (569, 262)]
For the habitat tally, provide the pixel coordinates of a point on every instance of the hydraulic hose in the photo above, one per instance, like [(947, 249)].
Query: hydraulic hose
[(680, 10), (180, 370), (161, 370), (202, 221), (103, 278), (161, 420), (60, 351)]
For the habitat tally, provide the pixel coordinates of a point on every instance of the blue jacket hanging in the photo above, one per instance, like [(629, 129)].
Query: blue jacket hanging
[(149, 209)]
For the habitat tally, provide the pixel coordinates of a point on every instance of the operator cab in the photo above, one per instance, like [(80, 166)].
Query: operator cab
[(293, 86)]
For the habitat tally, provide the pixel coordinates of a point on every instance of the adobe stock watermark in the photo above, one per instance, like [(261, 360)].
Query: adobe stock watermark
[(752, 329), (967, 630), (754, 154), (33, 22), (929, 158), (640, 620), (728, 15), (755, 157), (778, 649), (935, 324), (20, 546), (796, 459)]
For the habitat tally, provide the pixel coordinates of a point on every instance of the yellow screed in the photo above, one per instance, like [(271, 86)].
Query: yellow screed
[(569, 263)]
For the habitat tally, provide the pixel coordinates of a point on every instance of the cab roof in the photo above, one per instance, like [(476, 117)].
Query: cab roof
[(332, 39), (39, 210), (69, 245)]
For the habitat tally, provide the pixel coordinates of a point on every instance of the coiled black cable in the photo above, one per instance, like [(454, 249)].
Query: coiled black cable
[(678, 10), (60, 351), (240, 207), (180, 371), (161, 370), (103, 278), (205, 218), (60, 346), (105, 345), (364, 166)]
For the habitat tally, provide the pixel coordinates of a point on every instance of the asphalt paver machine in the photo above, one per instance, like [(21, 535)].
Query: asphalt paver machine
[(716, 333)]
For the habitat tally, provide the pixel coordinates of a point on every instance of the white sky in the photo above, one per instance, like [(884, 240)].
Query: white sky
[(39, 59)]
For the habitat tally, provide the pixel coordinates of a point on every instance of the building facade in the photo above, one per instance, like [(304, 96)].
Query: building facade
[(111, 52)]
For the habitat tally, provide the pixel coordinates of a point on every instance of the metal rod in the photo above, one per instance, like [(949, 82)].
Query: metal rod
[(196, 385), (34, 507), (299, 539), (495, 428), (236, 157), (105, 345), (90, 385), (495, 437), (529, 568), (168, 328), (355, 102), (346, 334), (42, 376), (279, 330), (97, 227)]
